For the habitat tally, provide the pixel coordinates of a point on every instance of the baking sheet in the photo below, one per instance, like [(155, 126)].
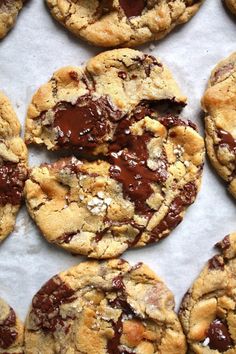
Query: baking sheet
[(29, 55)]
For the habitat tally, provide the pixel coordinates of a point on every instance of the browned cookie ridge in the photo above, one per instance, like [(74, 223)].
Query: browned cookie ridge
[(219, 103), (11, 331), (146, 162), (13, 167), (207, 312), (104, 308), (126, 23)]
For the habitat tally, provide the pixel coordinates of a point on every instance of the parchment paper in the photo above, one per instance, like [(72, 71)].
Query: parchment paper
[(34, 49)]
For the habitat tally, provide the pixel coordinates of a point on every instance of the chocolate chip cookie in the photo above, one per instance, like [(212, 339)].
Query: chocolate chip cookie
[(219, 103), (9, 10), (11, 331), (148, 162), (207, 312), (13, 167), (126, 23), (231, 5), (104, 308)]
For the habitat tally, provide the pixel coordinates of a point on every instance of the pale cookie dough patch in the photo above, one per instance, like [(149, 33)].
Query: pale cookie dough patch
[(207, 311), (104, 308)]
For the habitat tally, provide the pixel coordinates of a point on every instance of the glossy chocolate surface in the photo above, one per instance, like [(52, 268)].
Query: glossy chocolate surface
[(11, 184), (216, 263), (219, 336), (85, 123), (227, 139), (46, 303), (8, 335)]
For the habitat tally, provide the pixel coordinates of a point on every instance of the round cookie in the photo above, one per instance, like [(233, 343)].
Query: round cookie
[(207, 311), (9, 10), (13, 167), (11, 331), (126, 23), (219, 103), (152, 160), (231, 5), (104, 308)]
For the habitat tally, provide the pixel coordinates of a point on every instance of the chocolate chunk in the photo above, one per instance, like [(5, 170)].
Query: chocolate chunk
[(147, 62), (170, 121), (100, 234), (106, 6), (219, 336), (11, 183), (129, 167), (122, 135), (189, 193), (140, 228), (7, 337), (85, 123), (220, 73), (174, 217), (66, 238), (120, 302), (114, 343), (7, 334), (170, 221), (122, 75), (74, 75), (227, 139), (133, 8), (11, 319), (224, 244), (46, 303), (118, 284), (216, 263)]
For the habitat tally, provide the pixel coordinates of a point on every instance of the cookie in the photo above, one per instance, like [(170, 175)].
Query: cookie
[(126, 23), (231, 5), (13, 167), (8, 13), (207, 312), (104, 308), (219, 103), (11, 331), (151, 160)]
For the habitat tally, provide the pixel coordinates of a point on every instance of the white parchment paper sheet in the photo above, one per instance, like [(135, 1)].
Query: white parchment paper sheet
[(34, 49)]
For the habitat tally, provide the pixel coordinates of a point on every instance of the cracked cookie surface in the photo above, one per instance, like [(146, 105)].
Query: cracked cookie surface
[(151, 163), (11, 331), (13, 167), (219, 103), (9, 10), (111, 23), (207, 311), (231, 5), (104, 308)]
